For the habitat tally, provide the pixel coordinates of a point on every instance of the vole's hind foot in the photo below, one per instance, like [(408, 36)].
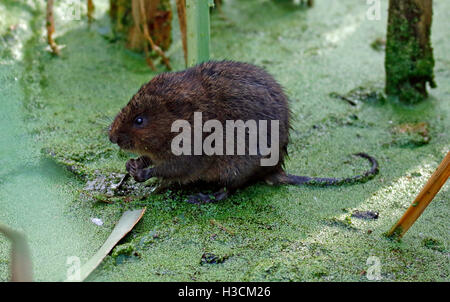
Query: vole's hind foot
[(201, 198)]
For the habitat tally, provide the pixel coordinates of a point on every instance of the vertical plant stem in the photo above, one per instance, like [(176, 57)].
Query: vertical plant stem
[(90, 10), (21, 268), (197, 15), (144, 24), (181, 8), (50, 24)]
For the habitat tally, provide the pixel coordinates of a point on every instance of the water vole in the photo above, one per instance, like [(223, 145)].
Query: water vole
[(219, 91)]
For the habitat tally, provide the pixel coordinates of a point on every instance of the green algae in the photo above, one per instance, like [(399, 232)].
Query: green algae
[(35, 194), (278, 233), (433, 244), (124, 252)]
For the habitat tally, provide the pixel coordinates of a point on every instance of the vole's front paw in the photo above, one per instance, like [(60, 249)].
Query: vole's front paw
[(141, 175), (131, 165), (137, 164), (134, 167), (200, 198)]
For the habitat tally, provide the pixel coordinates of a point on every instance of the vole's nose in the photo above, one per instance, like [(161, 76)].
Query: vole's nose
[(113, 138)]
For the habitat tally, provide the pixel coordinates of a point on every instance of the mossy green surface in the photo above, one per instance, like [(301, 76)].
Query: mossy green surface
[(261, 233), (409, 65)]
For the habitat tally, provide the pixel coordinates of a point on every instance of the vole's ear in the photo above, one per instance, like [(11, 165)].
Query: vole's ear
[(178, 108)]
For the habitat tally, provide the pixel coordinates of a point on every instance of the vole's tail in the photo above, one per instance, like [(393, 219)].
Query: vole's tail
[(319, 181)]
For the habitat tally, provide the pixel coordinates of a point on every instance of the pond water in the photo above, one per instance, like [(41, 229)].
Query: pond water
[(35, 193)]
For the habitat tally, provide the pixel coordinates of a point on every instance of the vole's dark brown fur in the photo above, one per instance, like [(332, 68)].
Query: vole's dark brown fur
[(222, 91)]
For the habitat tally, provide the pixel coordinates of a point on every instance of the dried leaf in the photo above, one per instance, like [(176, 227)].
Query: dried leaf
[(21, 268), (126, 223)]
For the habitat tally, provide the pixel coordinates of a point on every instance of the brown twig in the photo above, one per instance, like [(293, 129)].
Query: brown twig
[(50, 24), (156, 48), (90, 10), (148, 59), (181, 8), (215, 223), (136, 13), (431, 188), (338, 96)]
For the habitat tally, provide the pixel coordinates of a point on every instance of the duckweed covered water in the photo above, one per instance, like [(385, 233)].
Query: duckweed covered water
[(57, 111), (35, 193)]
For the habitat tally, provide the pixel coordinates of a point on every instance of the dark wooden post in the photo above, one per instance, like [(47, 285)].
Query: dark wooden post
[(409, 59)]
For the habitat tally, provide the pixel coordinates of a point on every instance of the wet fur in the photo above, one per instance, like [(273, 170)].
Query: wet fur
[(222, 91)]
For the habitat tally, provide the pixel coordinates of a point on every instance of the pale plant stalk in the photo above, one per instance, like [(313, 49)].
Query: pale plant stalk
[(198, 31), (21, 268)]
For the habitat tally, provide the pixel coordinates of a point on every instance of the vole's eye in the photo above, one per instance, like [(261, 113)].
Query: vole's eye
[(139, 121)]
